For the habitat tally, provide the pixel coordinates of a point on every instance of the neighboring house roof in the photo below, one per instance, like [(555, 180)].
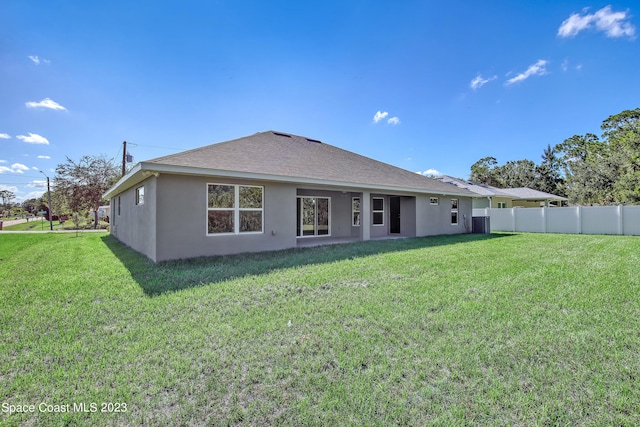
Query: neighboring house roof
[(522, 193), (291, 158), (525, 193)]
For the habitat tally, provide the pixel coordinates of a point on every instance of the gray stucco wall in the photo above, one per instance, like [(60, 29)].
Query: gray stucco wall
[(134, 224), (436, 219), (408, 216), (182, 219), (172, 222), (341, 224)]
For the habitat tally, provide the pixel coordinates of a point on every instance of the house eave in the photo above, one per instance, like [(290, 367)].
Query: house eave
[(143, 169)]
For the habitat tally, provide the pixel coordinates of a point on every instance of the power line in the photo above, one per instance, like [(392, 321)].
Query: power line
[(154, 146)]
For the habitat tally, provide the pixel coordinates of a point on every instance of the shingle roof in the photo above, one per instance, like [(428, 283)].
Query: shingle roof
[(525, 193), (522, 193), (286, 155)]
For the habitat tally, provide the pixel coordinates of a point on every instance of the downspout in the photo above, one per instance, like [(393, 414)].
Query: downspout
[(489, 197)]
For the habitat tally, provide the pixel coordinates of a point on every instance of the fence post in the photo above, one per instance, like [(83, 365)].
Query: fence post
[(579, 219), (544, 219), (620, 220), (513, 220)]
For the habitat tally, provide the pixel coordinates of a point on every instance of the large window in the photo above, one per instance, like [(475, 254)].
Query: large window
[(355, 211), (313, 216), (378, 211), (234, 209)]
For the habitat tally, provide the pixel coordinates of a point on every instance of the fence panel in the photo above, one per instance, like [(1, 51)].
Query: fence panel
[(530, 220), (572, 220), (563, 220), (600, 220), (501, 219), (631, 220)]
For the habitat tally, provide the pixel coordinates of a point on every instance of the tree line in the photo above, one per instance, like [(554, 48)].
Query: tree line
[(587, 169), (77, 188)]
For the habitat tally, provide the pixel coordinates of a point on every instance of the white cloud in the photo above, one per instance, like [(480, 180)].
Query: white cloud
[(379, 116), (45, 103), (36, 183), (11, 188), (15, 168), (537, 69), (36, 59), (480, 81), (33, 138), (430, 172), (393, 121), (5, 136), (44, 157), (19, 167), (613, 24)]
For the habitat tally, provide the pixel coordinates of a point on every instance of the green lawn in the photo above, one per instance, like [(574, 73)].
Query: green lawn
[(524, 329)]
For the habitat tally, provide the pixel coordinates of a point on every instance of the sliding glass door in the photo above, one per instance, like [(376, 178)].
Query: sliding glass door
[(313, 216)]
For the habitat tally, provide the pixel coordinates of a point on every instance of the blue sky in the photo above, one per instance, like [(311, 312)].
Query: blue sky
[(423, 85)]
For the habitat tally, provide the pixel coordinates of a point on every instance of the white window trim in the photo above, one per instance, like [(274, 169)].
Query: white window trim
[(456, 211), (353, 211), (137, 196), (315, 225), (375, 211), (236, 210)]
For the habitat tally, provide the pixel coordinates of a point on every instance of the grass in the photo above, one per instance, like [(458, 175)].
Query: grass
[(523, 329)]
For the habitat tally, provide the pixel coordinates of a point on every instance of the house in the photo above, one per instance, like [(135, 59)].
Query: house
[(493, 197), (271, 191)]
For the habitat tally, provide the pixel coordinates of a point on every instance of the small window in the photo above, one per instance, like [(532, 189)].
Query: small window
[(140, 195), (434, 201), (454, 211), (378, 211), (355, 211), (502, 205)]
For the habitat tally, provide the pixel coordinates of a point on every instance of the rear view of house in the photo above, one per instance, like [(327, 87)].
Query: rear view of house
[(274, 190)]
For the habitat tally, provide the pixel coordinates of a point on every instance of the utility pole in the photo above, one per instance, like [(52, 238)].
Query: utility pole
[(49, 197), (124, 157)]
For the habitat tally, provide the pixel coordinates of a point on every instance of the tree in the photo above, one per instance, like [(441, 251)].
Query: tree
[(517, 173), (622, 133), (29, 205), (82, 184), (589, 168), (7, 198), (483, 171), (548, 178)]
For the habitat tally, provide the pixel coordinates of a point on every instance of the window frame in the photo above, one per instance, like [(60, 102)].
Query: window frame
[(354, 222), (236, 209), (374, 211), (454, 211), (140, 195), (434, 201), (300, 226)]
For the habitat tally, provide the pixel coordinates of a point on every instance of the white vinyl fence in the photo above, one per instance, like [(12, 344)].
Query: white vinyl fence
[(623, 220)]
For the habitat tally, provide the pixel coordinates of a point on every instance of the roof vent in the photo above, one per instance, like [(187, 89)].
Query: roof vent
[(313, 140), (282, 134)]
